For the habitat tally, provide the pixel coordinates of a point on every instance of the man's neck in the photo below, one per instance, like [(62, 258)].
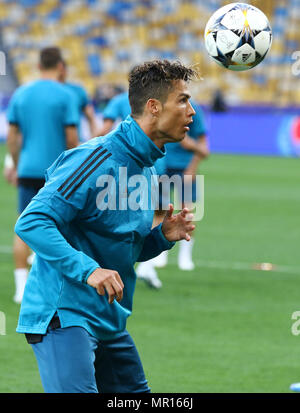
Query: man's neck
[(49, 75), (148, 127)]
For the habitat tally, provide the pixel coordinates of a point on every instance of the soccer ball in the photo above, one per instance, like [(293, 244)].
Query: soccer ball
[(238, 36)]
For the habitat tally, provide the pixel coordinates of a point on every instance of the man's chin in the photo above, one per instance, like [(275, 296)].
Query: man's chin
[(178, 138)]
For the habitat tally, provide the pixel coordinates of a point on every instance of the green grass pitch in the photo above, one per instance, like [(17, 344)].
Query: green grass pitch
[(224, 327)]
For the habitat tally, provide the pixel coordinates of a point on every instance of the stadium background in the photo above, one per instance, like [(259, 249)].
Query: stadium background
[(226, 326)]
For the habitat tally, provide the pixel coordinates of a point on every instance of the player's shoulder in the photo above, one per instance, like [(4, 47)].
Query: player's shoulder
[(91, 155), (50, 86), (123, 97), (120, 98), (78, 91), (76, 171), (22, 89), (63, 91), (76, 87)]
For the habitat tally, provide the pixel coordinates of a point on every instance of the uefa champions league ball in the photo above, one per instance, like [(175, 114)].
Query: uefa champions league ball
[(238, 36)]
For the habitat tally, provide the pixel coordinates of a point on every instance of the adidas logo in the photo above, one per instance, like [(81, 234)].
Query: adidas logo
[(245, 56)]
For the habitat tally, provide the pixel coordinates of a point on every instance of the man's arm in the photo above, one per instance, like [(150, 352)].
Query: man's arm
[(200, 149), (9, 170), (198, 146), (38, 227), (71, 137), (89, 113), (154, 244), (106, 127), (14, 142)]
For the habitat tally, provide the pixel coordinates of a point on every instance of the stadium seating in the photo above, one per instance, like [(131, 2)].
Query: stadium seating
[(103, 39)]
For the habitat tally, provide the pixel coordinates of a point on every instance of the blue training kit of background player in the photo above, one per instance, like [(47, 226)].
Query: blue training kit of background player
[(41, 109)]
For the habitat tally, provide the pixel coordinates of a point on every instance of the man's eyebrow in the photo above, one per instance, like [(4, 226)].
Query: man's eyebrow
[(187, 95)]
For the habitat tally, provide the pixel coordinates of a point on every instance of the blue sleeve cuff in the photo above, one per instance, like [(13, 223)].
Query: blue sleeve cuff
[(168, 244)]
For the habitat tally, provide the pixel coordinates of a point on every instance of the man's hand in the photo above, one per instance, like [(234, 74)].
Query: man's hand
[(14, 142), (179, 226), (10, 172), (109, 280)]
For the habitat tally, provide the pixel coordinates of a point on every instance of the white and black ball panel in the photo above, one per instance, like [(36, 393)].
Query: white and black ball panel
[(238, 36), (244, 55), (262, 42), (227, 41), (210, 44), (257, 20), (234, 20)]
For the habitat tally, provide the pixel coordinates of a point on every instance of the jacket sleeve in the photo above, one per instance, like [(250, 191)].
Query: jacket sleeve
[(38, 228), (45, 220), (154, 244)]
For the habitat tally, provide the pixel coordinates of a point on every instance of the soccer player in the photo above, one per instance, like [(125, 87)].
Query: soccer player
[(42, 124), (184, 159), (84, 106), (80, 289), (118, 109)]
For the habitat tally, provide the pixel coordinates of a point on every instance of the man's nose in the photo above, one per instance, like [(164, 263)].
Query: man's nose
[(191, 110)]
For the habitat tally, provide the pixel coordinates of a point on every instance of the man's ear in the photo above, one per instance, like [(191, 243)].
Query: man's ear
[(153, 107)]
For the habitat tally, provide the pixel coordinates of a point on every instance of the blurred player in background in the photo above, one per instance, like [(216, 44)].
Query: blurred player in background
[(118, 109), (83, 104), (43, 121), (184, 159)]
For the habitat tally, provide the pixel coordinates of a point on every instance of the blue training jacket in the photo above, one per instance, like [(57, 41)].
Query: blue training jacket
[(72, 236), (42, 109)]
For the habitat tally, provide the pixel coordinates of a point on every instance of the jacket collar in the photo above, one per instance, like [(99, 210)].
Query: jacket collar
[(138, 145)]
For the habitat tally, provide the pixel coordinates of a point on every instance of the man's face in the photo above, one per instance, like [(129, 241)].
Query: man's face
[(176, 113)]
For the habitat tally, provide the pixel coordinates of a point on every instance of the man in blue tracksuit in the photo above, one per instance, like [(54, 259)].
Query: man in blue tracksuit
[(80, 289)]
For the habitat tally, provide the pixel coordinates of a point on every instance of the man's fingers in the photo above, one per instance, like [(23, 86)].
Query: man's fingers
[(112, 284), (119, 290), (169, 213), (184, 212), (100, 290), (187, 237), (190, 228), (119, 279), (110, 291), (114, 289), (189, 217)]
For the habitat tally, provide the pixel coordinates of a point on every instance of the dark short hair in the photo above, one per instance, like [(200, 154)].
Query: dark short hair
[(50, 57), (154, 80)]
